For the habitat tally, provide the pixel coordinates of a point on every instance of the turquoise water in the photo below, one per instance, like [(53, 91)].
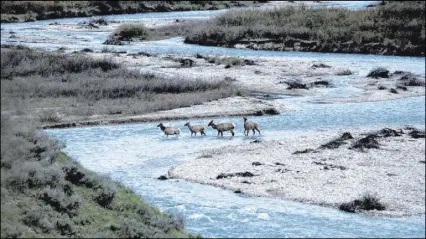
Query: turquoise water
[(135, 155)]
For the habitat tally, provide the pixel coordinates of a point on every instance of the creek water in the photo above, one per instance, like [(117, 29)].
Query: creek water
[(136, 154)]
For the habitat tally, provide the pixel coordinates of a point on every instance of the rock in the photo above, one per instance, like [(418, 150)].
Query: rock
[(113, 41), (13, 19), (87, 50), (30, 19), (367, 142), (392, 90), (283, 170), (410, 80), (256, 141), (320, 82), (256, 163), (305, 151), (141, 54), (240, 174), (346, 136), (278, 163), (379, 73), (270, 111), (294, 85), (237, 191), (162, 177), (321, 65), (382, 88), (205, 156), (186, 62), (417, 134), (244, 174), (337, 142), (387, 132), (402, 87), (249, 62)]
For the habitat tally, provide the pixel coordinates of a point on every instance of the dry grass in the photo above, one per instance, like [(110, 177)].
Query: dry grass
[(396, 26), (39, 10), (59, 86)]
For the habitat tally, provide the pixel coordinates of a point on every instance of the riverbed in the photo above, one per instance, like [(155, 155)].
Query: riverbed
[(137, 154)]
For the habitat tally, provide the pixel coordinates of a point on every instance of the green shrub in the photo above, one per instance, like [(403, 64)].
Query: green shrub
[(131, 228), (60, 201), (65, 226), (105, 195), (42, 218), (130, 31), (11, 231), (33, 175)]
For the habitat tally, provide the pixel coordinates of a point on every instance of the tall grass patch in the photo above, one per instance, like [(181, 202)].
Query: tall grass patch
[(39, 10), (58, 86), (395, 27)]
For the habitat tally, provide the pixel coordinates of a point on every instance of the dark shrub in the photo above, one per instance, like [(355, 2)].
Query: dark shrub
[(367, 202), (105, 195), (34, 175), (130, 228), (129, 31), (43, 218), (74, 174), (65, 226), (60, 201)]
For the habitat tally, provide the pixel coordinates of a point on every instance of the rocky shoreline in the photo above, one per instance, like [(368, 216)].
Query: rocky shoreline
[(333, 168)]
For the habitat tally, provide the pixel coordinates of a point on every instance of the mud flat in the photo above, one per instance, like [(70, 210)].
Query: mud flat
[(323, 168)]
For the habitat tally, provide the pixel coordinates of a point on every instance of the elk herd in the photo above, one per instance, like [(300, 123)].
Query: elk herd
[(220, 127)]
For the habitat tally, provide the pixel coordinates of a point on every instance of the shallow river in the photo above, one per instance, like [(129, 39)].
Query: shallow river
[(136, 154)]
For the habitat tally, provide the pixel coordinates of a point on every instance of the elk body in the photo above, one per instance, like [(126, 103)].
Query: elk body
[(250, 126), (169, 130), (223, 127), (195, 129)]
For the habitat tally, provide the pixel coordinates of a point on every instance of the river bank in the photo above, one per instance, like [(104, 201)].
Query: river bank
[(227, 107), (28, 11), (335, 30), (302, 167)]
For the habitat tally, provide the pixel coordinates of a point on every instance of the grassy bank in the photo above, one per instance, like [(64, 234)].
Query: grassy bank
[(13, 11), (46, 194), (392, 28), (53, 87)]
